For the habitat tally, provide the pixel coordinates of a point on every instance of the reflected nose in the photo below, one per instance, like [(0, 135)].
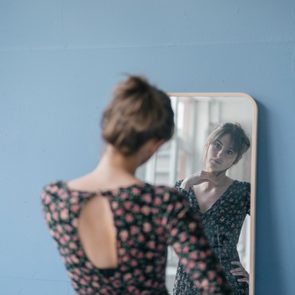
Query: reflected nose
[(220, 154)]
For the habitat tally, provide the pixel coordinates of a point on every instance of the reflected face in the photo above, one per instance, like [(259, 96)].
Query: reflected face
[(220, 154)]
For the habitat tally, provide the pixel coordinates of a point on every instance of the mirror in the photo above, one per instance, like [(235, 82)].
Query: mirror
[(196, 115)]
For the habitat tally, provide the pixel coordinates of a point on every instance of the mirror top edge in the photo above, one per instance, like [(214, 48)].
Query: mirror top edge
[(217, 94)]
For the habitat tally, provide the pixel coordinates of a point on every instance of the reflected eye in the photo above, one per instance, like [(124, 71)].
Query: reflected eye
[(217, 145), (230, 152)]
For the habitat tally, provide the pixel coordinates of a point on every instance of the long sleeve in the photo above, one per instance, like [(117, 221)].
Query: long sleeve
[(186, 236)]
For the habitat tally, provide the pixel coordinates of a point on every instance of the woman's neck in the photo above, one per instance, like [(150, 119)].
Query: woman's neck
[(113, 161)]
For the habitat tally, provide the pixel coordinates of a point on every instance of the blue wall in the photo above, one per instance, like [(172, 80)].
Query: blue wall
[(58, 63)]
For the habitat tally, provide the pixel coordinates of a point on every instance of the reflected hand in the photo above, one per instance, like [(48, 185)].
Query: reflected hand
[(198, 178), (240, 271)]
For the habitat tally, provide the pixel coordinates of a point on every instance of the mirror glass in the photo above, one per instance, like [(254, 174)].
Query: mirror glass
[(196, 116)]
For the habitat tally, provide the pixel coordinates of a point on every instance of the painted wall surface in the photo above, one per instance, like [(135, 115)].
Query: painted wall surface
[(58, 63)]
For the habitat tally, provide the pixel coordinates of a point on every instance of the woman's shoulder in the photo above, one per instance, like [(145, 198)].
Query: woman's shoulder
[(243, 184)]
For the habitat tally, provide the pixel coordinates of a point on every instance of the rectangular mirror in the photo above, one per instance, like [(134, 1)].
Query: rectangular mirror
[(228, 224)]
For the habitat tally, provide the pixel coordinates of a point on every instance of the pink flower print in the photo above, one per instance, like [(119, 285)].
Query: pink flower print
[(68, 228), (147, 227), (159, 190), (151, 244), (203, 255), (204, 284), (83, 282), (135, 191), (46, 198), (158, 202), (55, 216), (59, 228), (116, 283), (194, 255), (147, 198), (183, 261), (193, 240), (52, 207), (120, 212), (134, 230), (75, 208), (80, 253), (164, 220), (53, 189), (183, 237), (133, 263), (141, 238), (149, 268), (122, 251), (124, 235), (95, 284), (173, 232), (202, 265), (149, 255), (115, 205), (63, 195), (192, 226), (56, 235), (74, 259), (129, 218), (136, 209), (64, 214), (169, 208), (159, 230), (124, 196), (131, 289), (72, 246), (127, 276), (137, 272), (191, 264), (166, 197), (75, 286), (64, 239), (185, 249), (211, 275), (155, 211), (128, 205), (145, 210), (125, 258), (48, 217), (75, 222)]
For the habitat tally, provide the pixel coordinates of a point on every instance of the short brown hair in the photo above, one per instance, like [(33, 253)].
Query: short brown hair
[(138, 112), (240, 140)]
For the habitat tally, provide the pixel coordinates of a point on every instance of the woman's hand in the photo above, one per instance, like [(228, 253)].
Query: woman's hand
[(240, 271), (198, 178)]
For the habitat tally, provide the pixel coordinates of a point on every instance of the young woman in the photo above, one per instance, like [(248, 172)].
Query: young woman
[(111, 229), (222, 203)]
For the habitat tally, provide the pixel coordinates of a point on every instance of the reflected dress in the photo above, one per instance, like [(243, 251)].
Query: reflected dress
[(222, 224), (147, 219)]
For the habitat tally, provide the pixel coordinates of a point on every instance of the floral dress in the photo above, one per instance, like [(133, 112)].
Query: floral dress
[(222, 224), (147, 219)]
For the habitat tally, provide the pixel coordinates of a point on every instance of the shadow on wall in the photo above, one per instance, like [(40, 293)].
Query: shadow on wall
[(268, 264)]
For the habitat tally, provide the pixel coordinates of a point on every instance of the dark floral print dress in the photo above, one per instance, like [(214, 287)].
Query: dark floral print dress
[(147, 219), (222, 224)]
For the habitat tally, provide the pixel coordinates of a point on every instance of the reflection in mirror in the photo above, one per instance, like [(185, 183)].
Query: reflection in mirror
[(229, 228)]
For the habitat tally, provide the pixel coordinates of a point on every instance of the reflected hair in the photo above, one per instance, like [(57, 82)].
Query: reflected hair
[(239, 138), (137, 113)]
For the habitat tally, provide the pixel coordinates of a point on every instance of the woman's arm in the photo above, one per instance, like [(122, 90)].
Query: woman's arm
[(186, 236)]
